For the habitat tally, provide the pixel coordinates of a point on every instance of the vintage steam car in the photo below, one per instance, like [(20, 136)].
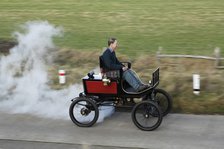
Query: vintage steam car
[(108, 89)]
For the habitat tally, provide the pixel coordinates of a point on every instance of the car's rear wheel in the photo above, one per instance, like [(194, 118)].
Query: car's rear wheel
[(83, 112), (164, 100), (147, 116)]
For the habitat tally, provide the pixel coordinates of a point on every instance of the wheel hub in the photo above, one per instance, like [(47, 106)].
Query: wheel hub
[(84, 111), (146, 116)]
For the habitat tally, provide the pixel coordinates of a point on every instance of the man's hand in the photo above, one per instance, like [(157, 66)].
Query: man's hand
[(125, 68)]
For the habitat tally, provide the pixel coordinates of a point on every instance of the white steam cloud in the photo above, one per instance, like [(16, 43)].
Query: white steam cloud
[(24, 77)]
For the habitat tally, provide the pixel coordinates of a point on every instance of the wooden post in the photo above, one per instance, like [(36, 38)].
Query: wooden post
[(217, 56), (158, 54)]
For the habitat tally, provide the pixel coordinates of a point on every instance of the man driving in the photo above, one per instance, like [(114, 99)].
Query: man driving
[(112, 63)]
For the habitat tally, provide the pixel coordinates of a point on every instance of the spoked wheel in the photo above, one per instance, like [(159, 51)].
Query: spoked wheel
[(146, 115), (164, 100), (83, 112)]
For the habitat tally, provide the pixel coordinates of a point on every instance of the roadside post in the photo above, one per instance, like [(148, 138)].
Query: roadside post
[(61, 76), (196, 84)]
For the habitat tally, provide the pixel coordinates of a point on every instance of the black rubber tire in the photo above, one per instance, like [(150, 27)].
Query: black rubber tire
[(164, 100), (149, 105), (93, 107)]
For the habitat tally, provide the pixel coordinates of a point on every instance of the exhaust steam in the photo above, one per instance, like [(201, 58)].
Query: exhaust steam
[(24, 77)]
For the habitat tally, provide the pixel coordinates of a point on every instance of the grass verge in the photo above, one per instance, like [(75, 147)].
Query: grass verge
[(175, 78)]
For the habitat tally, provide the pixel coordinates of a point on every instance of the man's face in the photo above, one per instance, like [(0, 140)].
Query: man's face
[(114, 45)]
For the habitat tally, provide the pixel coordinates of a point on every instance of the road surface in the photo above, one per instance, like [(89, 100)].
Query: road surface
[(21, 131)]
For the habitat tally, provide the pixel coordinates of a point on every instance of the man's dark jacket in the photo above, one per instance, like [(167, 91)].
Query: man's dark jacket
[(110, 60)]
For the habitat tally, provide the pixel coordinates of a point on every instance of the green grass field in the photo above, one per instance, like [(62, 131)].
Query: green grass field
[(179, 26)]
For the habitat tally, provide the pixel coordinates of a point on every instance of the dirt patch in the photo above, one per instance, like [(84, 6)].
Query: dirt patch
[(5, 46)]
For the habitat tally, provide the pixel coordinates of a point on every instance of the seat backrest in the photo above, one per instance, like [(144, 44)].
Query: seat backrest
[(102, 67), (113, 74)]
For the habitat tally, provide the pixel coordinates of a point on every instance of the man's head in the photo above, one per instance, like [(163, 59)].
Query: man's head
[(112, 43)]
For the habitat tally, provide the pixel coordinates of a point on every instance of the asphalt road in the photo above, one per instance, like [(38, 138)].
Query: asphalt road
[(20, 131)]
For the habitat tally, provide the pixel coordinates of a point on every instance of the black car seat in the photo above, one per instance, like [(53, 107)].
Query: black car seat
[(112, 74), (106, 73)]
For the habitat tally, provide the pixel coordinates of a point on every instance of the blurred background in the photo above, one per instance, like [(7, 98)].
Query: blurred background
[(145, 30)]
